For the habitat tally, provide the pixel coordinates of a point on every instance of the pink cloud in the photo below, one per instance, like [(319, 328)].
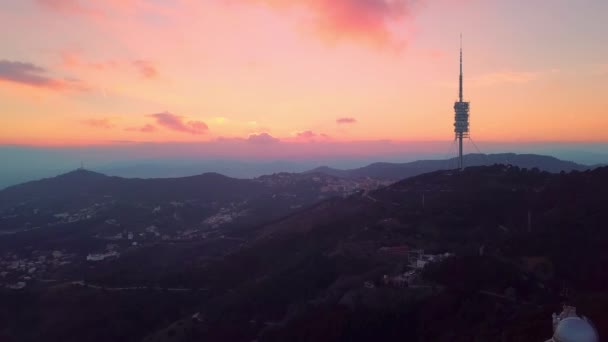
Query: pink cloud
[(36, 76), (306, 135), (146, 68), (98, 123), (366, 20), (147, 128), (346, 121), (310, 136), (262, 138), (177, 123)]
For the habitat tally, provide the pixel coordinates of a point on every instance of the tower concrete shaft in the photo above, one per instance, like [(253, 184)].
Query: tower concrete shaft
[(461, 115)]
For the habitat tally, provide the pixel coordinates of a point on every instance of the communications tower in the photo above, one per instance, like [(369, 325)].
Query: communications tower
[(461, 117)]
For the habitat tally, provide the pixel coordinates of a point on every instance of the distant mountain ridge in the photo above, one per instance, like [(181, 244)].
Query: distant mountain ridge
[(193, 200), (398, 171), (85, 183)]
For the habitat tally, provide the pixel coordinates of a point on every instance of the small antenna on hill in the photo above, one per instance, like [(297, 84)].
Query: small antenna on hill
[(81, 165)]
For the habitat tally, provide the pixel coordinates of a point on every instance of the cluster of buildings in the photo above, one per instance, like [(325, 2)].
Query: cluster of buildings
[(417, 260), (225, 215), (280, 179), (103, 256), (327, 184), (406, 279), (16, 271), (150, 233), (82, 214), (23, 218), (350, 186), (111, 252)]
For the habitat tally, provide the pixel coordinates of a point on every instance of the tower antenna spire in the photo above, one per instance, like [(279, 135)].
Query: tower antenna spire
[(460, 81)]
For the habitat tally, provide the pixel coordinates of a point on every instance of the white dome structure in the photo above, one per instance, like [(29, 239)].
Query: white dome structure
[(574, 329), (569, 327)]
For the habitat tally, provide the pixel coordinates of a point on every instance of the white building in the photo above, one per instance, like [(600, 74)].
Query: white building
[(102, 256), (419, 260)]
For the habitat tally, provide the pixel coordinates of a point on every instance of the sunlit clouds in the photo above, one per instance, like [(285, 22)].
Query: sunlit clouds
[(36, 76), (146, 68), (368, 21), (178, 123), (262, 138), (274, 74), (346, 121)]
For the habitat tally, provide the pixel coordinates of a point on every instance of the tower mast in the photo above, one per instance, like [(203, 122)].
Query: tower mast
[(461, 117), (460, 79)]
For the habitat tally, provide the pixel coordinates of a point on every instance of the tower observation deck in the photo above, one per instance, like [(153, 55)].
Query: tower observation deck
[(461, 116)]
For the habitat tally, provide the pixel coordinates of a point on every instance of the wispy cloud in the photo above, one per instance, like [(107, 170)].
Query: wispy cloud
[(177, 123), (369, 21), (310, 136), (346, 121), (262, 138), (36, 76), (147, 128), (98, 123), (146, 68)]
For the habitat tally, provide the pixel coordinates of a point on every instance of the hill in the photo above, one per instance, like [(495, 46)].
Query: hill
[(84, 185), (512, 233), (83, 195), (500, 244), (398, 171)]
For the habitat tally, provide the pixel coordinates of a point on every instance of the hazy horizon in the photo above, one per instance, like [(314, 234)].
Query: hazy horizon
[(252, 160)]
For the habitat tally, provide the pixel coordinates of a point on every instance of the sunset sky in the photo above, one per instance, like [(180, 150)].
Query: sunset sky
[(310, 72)]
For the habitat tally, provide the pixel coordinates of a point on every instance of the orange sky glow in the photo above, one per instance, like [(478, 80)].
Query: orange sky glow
[(78, 72)]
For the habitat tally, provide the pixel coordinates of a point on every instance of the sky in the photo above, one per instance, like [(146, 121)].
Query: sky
[(301, 78)]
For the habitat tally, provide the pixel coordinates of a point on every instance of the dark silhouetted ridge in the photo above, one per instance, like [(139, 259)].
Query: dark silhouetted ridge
[(397, 171)]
